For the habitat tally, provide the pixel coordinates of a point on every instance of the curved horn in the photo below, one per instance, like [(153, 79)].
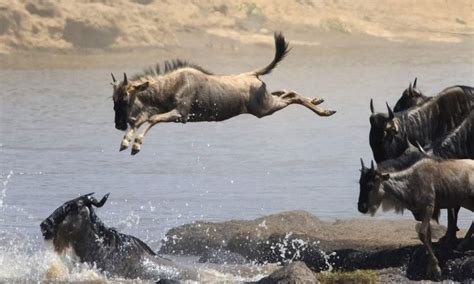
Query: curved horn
[(390, 112), (125, 80), (99, 203), (414, 83), (362, 163), (113, 77), (410, 90), (372, 106), (420, 148)]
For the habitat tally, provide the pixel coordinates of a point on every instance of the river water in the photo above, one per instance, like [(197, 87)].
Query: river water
[(58, 140)]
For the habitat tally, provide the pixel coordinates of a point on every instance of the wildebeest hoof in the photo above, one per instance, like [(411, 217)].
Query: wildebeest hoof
[(317, 101), (135, 149), (329, 112), (124, 145), (434, 272)]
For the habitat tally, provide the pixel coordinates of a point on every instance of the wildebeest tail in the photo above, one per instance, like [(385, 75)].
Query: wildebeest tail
[(281, 50)]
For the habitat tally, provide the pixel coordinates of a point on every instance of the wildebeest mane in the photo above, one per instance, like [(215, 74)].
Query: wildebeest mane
[(168, 67), (111, 237)]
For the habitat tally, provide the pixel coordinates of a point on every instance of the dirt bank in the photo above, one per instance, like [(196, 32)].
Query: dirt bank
[(70, 26)]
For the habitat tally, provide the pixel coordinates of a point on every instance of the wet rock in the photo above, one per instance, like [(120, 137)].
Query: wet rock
[(455, 265), (222, 257), (295, 272), (90, 33), (242, 237)]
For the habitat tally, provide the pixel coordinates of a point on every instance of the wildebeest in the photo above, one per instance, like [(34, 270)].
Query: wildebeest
[(458, 144), (411, 97), (74, 225), (188, 93), (425, 187), (425, 123)]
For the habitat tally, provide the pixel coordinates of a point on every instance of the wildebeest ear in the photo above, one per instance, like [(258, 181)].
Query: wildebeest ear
[(362, 163), (372, 165), (414, 83), (385, 176), (113, 78), (142, 87), (372, 106)]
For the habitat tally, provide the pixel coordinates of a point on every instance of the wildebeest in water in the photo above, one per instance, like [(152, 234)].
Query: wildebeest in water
[(75, 226), (188, 93)]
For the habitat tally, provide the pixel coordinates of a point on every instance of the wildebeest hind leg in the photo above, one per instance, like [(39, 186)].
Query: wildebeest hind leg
[(467, 239), (293, 98), (170, 116)]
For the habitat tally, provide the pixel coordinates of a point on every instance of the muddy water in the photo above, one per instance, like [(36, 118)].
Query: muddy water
[(58, 140)]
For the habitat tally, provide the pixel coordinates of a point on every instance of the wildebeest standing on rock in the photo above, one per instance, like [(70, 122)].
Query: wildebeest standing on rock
[(425, 123), (75, 226), (186, 92), (424, 188)]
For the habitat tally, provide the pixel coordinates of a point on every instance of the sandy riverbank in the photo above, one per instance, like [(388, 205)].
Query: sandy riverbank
[(80, 26)]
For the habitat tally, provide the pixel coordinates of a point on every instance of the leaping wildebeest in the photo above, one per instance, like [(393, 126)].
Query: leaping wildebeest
[(424, 188), (75, 226), (188, 93), (424, 123)]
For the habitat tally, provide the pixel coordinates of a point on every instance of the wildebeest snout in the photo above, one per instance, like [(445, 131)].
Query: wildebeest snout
[(47, 229), (363, 207)]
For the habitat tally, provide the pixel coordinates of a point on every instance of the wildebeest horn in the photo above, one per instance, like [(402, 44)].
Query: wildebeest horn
[(410, 90), (390, 112), (113, 77), (414, 83), (99, 203), (420, 148), (372, 106), (125, 80), (362, 163)]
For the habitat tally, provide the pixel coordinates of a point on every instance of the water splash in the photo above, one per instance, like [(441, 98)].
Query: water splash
[(4, 188)]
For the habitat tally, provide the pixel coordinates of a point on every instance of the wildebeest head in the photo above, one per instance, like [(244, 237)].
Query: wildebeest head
[(382, 129), (410, 98), (70, 220), (123, 99), (370, 180)]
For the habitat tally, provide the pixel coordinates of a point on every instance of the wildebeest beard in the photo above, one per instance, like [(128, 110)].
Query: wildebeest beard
[(121, 117)]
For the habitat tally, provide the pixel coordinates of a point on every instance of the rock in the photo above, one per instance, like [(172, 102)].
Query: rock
[(222, 257), (295, 272), (143, 2), (42, 9), (237, 236), (91, 33), (455, 265)]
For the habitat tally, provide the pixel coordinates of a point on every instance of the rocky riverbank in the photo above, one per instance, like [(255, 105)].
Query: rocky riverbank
[(343, 245)]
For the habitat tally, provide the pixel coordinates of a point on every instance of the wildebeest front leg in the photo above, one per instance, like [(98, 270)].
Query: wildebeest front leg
[(424, 235), (129, 134), (170, 116), (293, 98)]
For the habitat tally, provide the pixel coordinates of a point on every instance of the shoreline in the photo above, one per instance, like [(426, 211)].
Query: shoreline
[(199, 47)]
